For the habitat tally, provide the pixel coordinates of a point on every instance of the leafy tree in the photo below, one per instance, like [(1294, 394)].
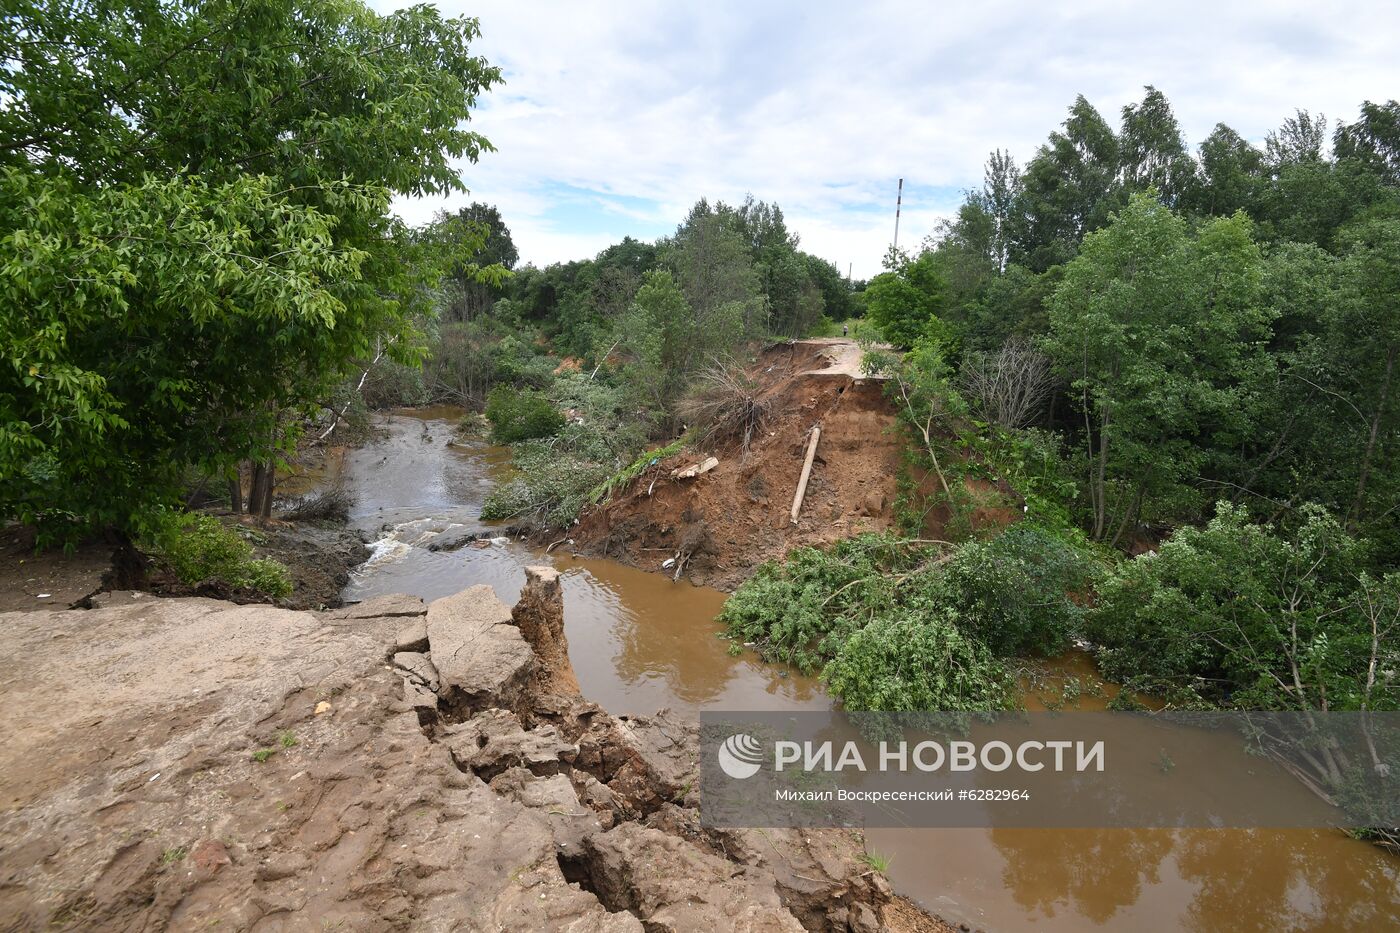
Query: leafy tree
[(1013, 592), (1001, 184), (158, 324), (904, 302), (1067, 189), (1321, 411), (665, 339), (838, 302), (470, 292), (1156, 333), (1152, 152), (1373, 141), (713, 269), (1232, 175), (1300, 139), (1371, 277), (1255, 616)]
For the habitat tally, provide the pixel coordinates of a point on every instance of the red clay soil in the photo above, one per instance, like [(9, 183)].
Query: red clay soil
[(737, 516)]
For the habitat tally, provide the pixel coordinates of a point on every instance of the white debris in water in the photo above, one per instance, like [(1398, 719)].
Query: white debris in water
[(498, 542), (384, 551)]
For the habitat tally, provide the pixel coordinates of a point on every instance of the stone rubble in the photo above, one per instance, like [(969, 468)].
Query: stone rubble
[(192, 764)]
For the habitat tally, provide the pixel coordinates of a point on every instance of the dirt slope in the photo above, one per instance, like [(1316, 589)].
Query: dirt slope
[(737, 515)]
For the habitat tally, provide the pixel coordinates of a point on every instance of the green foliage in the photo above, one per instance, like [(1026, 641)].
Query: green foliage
[(896, 625), (880, 863), (487, 253), (801, 610), (1014, 592), (905, 301), (910, 663), (199, 549), (520, 415), (1254, 616), (195, 236), (935, 420), (1159, 334), (556, 478), (1067, 189), (644, 461)]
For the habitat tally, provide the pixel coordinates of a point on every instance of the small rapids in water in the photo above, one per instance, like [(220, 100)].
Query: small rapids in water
[(640, 642)]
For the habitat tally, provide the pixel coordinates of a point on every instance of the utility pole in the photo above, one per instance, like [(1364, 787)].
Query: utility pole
[(898, 202)]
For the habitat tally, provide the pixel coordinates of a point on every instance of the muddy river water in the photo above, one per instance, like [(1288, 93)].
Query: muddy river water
[(640, 642)]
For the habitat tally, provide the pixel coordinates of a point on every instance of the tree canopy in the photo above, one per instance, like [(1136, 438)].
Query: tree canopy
[(196, 236)]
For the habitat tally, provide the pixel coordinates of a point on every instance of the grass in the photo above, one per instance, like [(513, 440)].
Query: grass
[(880, 863), (285, 739), (171, 856)]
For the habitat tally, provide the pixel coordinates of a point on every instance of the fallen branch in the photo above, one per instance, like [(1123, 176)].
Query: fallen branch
[(335, 422)]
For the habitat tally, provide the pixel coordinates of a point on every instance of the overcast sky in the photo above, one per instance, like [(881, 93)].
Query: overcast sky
[(615, 117)]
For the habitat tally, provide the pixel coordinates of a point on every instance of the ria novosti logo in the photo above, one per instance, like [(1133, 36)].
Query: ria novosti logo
[(740, 756)]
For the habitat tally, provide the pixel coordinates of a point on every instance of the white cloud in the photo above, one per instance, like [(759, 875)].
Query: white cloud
[(821, 106)]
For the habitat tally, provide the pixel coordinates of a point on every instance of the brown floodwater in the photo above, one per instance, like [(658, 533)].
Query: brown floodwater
[(640, 642), (1144, 879)]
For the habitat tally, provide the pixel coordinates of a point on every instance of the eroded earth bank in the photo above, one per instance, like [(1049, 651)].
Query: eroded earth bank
[(195, 764)]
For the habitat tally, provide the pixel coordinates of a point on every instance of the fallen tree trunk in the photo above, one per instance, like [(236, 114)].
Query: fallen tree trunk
[(806, 472)]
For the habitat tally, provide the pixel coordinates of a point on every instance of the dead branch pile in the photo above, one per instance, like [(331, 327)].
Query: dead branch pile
[(723, 406), (328, 505)]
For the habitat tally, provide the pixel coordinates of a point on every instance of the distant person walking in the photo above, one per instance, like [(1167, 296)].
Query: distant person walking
[(843, 329)]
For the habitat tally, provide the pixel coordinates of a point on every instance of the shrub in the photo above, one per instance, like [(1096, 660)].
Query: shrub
[(799, 611), (1013, 591), (199, 548), (555, 479), (918, 663), (1254, 616), (900, 625), (518, 415)]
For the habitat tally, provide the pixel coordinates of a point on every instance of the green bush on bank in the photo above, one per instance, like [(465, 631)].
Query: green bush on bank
[(913, 662), (1255, 616), (521, 415), (1013, 592), (200, 549), (903, 625)]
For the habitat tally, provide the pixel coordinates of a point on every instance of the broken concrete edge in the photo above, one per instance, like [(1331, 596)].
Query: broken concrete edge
[(620, 795)]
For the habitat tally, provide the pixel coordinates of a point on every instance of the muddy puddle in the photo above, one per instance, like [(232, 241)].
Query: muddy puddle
[(640, 642)]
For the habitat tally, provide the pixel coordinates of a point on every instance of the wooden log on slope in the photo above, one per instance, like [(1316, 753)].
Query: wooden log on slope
[(806, 472)]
